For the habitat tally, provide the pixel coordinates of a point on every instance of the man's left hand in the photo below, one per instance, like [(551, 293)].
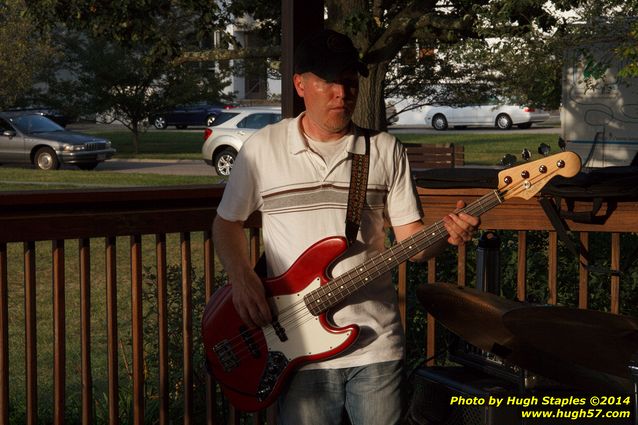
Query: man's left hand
[(460, 226)]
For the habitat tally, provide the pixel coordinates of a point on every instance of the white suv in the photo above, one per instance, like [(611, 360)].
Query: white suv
[(229, 131)]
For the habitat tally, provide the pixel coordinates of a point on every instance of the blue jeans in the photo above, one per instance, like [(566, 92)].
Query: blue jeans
[(369, 395)]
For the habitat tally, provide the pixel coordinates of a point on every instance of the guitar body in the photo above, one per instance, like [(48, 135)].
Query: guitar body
[(252, 365)]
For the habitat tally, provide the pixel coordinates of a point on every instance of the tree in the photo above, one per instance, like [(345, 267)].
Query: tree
[(119, 57), (23, 53), (122, 83), (166, 27), (442, 40), (453, 50)]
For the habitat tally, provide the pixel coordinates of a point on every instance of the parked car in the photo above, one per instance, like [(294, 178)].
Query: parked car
[(52, 114), (231, 128), (197, 114), (492, 115), (34, 139)]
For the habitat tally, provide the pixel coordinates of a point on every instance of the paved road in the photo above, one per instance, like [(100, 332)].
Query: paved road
[(181, 167)]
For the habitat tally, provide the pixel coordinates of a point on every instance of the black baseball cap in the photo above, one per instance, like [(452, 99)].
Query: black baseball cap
[(327, 54)]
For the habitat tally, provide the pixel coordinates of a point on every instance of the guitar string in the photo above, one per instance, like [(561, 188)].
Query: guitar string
[(293, 320)]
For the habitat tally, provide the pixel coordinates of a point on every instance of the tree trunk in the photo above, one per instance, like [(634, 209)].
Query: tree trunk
[(136, 136), (370, 111)]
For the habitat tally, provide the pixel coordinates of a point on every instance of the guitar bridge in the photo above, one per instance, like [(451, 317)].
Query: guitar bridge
[(275, 365), (226, 356)]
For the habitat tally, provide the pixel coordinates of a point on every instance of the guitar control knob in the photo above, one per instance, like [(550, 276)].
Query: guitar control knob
[(525, 174), (542, 169), (560, 164), (507, 180)]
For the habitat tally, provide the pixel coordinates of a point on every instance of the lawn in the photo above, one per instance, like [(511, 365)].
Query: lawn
[(20, 179), (481, 148), (168, 144), (488, 148)]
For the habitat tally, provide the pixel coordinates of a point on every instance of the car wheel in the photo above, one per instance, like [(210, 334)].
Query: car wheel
[(210, 120), (525, 126), (46, 159), (160, 123), (504, 122), (224, 161), (439, 122), (89, 166)]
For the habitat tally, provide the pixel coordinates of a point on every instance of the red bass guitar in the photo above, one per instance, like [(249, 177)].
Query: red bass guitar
[(251, 365)]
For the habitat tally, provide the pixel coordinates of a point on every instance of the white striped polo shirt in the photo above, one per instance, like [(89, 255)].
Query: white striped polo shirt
[(303, 201)]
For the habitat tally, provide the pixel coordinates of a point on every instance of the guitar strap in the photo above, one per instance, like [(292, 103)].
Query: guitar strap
[(356, 199), (358, 189)]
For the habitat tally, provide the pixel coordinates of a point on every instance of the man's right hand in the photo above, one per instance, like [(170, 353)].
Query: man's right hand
[(250, 301), (247, 289)]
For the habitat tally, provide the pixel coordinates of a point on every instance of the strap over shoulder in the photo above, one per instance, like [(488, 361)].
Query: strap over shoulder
[(358, 190)]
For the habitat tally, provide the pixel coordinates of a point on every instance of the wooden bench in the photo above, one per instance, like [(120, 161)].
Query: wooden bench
[(421, 155)]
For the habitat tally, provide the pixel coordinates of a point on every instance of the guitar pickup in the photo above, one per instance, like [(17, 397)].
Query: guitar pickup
[(279, 330), (247, 336), (226, 356)]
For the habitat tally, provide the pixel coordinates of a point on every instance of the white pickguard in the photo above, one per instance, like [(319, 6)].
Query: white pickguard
[(305, 333)]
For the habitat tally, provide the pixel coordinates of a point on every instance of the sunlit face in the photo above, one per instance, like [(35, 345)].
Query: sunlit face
[(329, 105)]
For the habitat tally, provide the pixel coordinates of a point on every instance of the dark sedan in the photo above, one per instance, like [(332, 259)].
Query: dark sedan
[(50, 113), (35, 139), (194, 114)]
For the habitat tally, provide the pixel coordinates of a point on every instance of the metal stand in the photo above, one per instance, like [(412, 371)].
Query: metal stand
[(488, 270)]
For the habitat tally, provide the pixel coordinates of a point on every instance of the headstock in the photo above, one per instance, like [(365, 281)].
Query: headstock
[(524, 181)]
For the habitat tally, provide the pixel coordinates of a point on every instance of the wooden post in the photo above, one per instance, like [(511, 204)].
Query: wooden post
[(299, 18)]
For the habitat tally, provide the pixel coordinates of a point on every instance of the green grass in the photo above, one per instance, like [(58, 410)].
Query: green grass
[(480, 148), (21, 179), (156, 144), (488, 148)]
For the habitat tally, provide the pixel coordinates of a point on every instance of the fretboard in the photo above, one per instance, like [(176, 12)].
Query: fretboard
[(333, 292)]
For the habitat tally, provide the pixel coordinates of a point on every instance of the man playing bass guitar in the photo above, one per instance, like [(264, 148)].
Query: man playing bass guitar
[(297, 174)]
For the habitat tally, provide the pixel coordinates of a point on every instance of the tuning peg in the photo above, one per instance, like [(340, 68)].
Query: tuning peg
[(544, 149), (561, 143), (526, 154), (508, 160)]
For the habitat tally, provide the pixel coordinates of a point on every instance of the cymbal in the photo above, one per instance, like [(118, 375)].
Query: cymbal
[(580, 348), (474, 315), (594, 339)]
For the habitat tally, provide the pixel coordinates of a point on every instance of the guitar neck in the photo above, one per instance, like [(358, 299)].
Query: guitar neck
[(333, 292)]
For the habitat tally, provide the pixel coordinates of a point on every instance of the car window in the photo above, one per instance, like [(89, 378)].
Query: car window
[(35, 124), (257, 120), (5, 126), (223, 117)]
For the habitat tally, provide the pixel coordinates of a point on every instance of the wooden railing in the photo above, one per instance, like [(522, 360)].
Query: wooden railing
[(424, 155), (123, 237)]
